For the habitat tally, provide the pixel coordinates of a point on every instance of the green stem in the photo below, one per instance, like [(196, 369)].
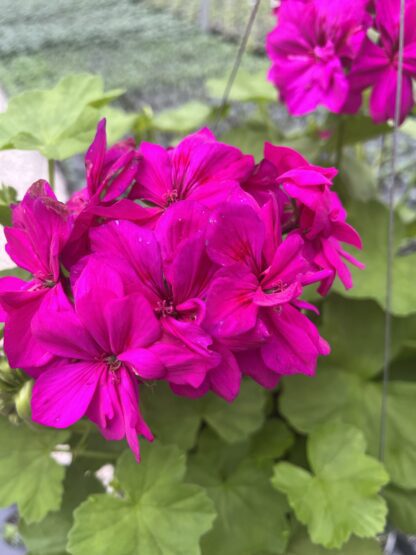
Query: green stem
[(340, 142), (89, 454), (51, 173), (78, 448)]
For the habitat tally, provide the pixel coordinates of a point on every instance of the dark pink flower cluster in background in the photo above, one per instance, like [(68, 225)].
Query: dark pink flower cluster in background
[(185, 265), (328, 52)]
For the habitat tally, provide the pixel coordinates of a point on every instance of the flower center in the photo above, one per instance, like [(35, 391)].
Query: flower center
[(113, 366), (324, 53), (278, 287), (164, 308), (171, 197)]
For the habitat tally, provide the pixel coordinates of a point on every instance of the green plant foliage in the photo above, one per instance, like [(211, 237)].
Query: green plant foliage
[(402, 509), (119, 123), (8, 195), (354, 129), (251, 137), (334, 394), (58, 122), (158, 512), (16, 272), (50, 536), (247, 87), (232, 422), (272, 441), (235, 422), (29, 476), (357, 177), (251, 516), (355, 331), (370, 284), (340, 496), (300, 544), (183, 119)]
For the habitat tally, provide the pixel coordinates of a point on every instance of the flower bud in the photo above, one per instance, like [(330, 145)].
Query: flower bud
[(22, 400), (15, 392)]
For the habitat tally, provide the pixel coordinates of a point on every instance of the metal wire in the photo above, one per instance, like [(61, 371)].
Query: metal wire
[(390, 239), (237, 62)]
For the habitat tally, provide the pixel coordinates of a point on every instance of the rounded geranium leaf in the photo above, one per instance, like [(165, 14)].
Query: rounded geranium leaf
[(29, 476), (339, 497), (158, 512)]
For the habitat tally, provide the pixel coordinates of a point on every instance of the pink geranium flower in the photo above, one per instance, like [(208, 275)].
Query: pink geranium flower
[(109, 174), (377, 63), (199, 168), (100, 351), (315, 210), (311, 48), (35, 242), (260, 285), (185, 265), (176, 286)]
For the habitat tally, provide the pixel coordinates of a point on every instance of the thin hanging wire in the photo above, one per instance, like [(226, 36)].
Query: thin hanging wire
[(390, 238), (237, 62)]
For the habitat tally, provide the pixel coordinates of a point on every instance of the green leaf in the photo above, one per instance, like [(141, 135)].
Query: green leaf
[(403, 366), (158, 404), (300, 544), (232, 421), (50, 536), (8, 195), (28, 474), (251, 137), (359, 179), (251, 516), (247, 87), (370, 219), (119, 123), (334, 394), (308, 143), (16, 272), (272, 441), (237, 420), (357, 346), (157, 514), (340, 496), (355, 129), (409, 127), (402, 509), (183, 119), (58, 122)]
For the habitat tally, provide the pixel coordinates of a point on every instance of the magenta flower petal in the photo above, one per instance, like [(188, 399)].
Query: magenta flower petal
[(295, 343), (22, 347), (236, 235), (183, 220), (94, 159), (192, 271), (40, 229), (62, 394), (137, 252), (231, 309), (131, 323), (134, 423), (252, 364), (144, 363), (59, 329)]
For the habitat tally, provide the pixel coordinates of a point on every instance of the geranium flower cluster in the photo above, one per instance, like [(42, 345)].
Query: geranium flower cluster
[(184, 264), (326, 53)]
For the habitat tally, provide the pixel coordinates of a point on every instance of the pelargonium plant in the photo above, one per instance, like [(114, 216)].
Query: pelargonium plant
[(185, 265), (325, 54)]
